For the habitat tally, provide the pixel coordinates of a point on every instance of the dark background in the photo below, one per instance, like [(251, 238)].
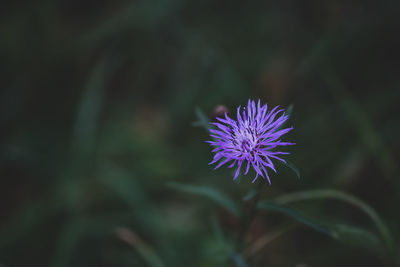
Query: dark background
[(97, 102)]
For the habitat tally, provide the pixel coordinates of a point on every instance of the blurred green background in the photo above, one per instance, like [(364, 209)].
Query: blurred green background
[(97, 103)]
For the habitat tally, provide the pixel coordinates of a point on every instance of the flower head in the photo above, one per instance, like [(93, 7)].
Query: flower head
[(251, 139)]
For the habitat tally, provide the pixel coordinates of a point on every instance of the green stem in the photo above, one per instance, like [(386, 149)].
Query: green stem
[(247, 220)]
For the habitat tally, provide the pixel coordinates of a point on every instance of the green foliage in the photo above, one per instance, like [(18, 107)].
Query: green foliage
[(291, 166), (203, 120), (349, 199), (357, 236), (96, 104)]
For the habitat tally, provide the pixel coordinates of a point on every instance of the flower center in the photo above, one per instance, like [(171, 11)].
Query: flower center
[(246, 146), (245, 141)]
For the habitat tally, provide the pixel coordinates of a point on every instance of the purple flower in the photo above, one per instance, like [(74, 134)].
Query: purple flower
[(251, 139)]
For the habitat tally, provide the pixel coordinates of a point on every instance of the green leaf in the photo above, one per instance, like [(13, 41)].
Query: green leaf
[(357, 235), (293, 168), (289, 110), (295, 215), (350, 199), (203, 120), (210, 193)]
